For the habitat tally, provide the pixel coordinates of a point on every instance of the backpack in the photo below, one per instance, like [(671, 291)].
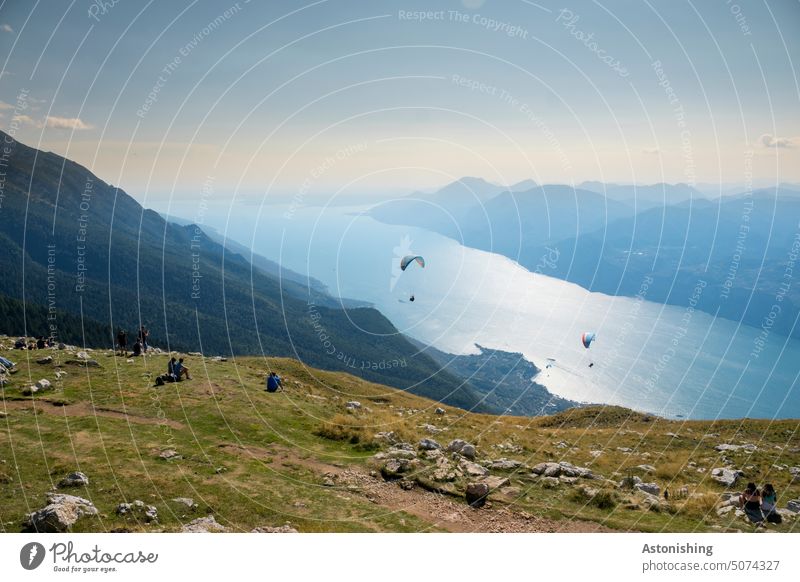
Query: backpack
[(159, 381)]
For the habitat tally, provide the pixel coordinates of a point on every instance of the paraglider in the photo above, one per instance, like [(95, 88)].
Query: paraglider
[(409, 260), (586, 339)]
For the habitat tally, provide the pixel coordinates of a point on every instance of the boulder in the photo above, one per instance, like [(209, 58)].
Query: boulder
[(138, 510), (462, 447), (793, 505), (439, 411), (29, 390), (495, 482), (74, 479), (650, 488), (469, 451), (430, 429), (397, 453), (429, 445), (629, 482), (203, 525), (287, 528), (795, 473), (396, 468), (82, 356), (61, 513), (444, 470), (353, 405), (62, 346), (187, 501), (647, 468), (476, 494), (505, 464), (43, 384), (727, 477), (473, 469), (728, 447), (547, 469), (387, 437), (45, 360), (549, 482)]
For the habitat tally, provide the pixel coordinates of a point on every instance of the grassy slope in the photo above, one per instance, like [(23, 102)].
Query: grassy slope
[(254, 459)]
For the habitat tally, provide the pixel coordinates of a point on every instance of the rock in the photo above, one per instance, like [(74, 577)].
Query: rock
[(429, 445), (727, 447), (793, 505), (61, 513), (444, 470), (439, 411), (169, 455), (45, 360), (60, 374), (650, 488), (722, 511), (187, 501), (74, 479), (130, 360), (388, 437), (138, 510), (430, 429), (462, 448), (328, 482), (647, 468), (595, 454), (396, 453), (395, 468), (433, 454), (62, 346), (562, 445), (505, 464), (568, 480), (43, 385), (476, 494), (795, 473), (495, 482), (203, 525), (82, 356), (29, 390), (547, 469), (353, 405), (727, 477), (624, 450), (629, 482), (285, 529), (469, 451), (549, 482), (473, 469)]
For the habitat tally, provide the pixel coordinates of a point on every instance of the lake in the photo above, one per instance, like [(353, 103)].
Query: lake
[(668, 360)]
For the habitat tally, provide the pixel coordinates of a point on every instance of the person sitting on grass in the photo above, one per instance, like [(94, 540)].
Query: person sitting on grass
[(171, 369), (180, 370), (137, 348), (273, 382), (41, 343), (7, 364), (769, 502), (750, 501)]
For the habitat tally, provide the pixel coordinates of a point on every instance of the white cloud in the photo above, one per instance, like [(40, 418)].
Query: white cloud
[(4, 106), (6, 28), (66, 123), (24, 119), (771, 141), (652, 151)]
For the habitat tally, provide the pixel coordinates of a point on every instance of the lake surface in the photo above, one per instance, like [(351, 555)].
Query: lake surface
[(663, 359)]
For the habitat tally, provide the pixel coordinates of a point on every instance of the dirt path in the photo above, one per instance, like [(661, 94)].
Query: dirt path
[(85, 409), (441, 511)]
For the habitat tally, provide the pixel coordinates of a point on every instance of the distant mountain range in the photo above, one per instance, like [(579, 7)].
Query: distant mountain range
[(610, 238)]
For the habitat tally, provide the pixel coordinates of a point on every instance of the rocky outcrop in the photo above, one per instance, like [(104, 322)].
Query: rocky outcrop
[(61, 513), (284, 529), (429, 445), (476, 494), (463, 448), (563, 468)]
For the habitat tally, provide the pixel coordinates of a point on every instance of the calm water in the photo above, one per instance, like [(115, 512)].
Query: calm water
[(664, 359)]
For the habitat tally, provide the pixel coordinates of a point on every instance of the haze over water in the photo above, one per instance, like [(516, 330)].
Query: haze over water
[(663, 359)]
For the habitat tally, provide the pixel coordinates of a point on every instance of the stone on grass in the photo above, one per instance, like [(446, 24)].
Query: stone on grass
[(476, 494), (43, 384), (650, 488), (187, 501), (727, 477), (61, 513), (74, 479), (45, 360), (429, 445), (169, 455), (138, 510), (203, 525), (285, 529), (439, 411)]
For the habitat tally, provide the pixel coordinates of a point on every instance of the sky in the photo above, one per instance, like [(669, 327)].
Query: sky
[(175, 100)]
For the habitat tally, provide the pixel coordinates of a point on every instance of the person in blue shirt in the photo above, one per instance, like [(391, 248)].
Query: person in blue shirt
[(273, 382), (180, 370)]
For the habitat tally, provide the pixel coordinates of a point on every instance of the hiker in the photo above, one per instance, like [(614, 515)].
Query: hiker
[(180, 370), (769, 502), (137, 348), (171, 370), (40, 343), (273, 382), (7, 364), (122, 341), (19, 344), (142, 337), (750, 501)]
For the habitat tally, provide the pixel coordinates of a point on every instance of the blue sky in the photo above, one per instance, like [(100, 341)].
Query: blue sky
[(335, 96)]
